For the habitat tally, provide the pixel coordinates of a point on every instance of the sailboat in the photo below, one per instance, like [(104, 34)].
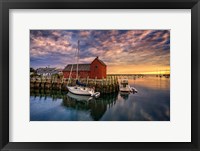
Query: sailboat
[(79, 88)]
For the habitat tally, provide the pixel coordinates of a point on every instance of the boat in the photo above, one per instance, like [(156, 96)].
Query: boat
[(80, 88), (124, 87), (83, 90), (79, 97)]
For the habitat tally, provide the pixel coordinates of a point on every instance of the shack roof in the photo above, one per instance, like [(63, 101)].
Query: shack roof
[(100, 61), (48, 70), (45, 70), (81, 67)]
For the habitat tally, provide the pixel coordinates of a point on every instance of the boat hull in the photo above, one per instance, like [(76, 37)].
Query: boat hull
[(80, 91), (125, 89)]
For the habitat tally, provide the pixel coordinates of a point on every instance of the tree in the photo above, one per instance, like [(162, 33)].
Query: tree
[(32, 70)]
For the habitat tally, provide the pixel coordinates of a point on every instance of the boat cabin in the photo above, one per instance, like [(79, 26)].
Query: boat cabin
[(124, 82)]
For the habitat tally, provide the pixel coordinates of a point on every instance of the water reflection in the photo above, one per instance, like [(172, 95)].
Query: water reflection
[(152, 82), (151, 103), (96, 107)]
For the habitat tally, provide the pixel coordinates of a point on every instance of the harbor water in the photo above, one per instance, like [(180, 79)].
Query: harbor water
[(151, 103)]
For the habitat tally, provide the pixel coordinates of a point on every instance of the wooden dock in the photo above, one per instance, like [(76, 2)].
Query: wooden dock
[(108, 85)]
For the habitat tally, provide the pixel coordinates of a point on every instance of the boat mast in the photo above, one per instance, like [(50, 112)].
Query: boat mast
[(77, 61), (71, 70)]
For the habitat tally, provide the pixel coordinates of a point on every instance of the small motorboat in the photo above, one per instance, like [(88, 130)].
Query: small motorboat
[(125, 87)]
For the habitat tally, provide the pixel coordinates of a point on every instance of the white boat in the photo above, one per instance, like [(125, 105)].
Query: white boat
[(124, 87), (81, 89)]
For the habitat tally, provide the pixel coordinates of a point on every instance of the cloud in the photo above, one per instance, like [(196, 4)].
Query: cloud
[(115, 47), (84, 33)]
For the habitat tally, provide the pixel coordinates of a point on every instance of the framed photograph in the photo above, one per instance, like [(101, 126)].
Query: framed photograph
[(88, 75)]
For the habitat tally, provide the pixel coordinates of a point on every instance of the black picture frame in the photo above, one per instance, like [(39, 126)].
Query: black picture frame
[(5, 5)]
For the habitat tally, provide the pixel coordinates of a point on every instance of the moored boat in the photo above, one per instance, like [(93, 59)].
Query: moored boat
[(80, 88), (124, 87)]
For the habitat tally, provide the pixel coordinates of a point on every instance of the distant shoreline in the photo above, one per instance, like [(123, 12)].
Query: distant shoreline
[(134, 74)]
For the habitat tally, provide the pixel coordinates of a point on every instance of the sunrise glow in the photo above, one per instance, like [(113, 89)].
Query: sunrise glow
[(123, 51)]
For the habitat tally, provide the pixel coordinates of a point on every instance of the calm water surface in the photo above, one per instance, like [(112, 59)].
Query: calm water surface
[(151, 103)]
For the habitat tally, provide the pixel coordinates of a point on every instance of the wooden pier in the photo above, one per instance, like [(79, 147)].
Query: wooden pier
[(108, 85)]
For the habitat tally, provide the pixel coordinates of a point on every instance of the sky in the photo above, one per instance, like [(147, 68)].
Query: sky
[(123, 51)]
